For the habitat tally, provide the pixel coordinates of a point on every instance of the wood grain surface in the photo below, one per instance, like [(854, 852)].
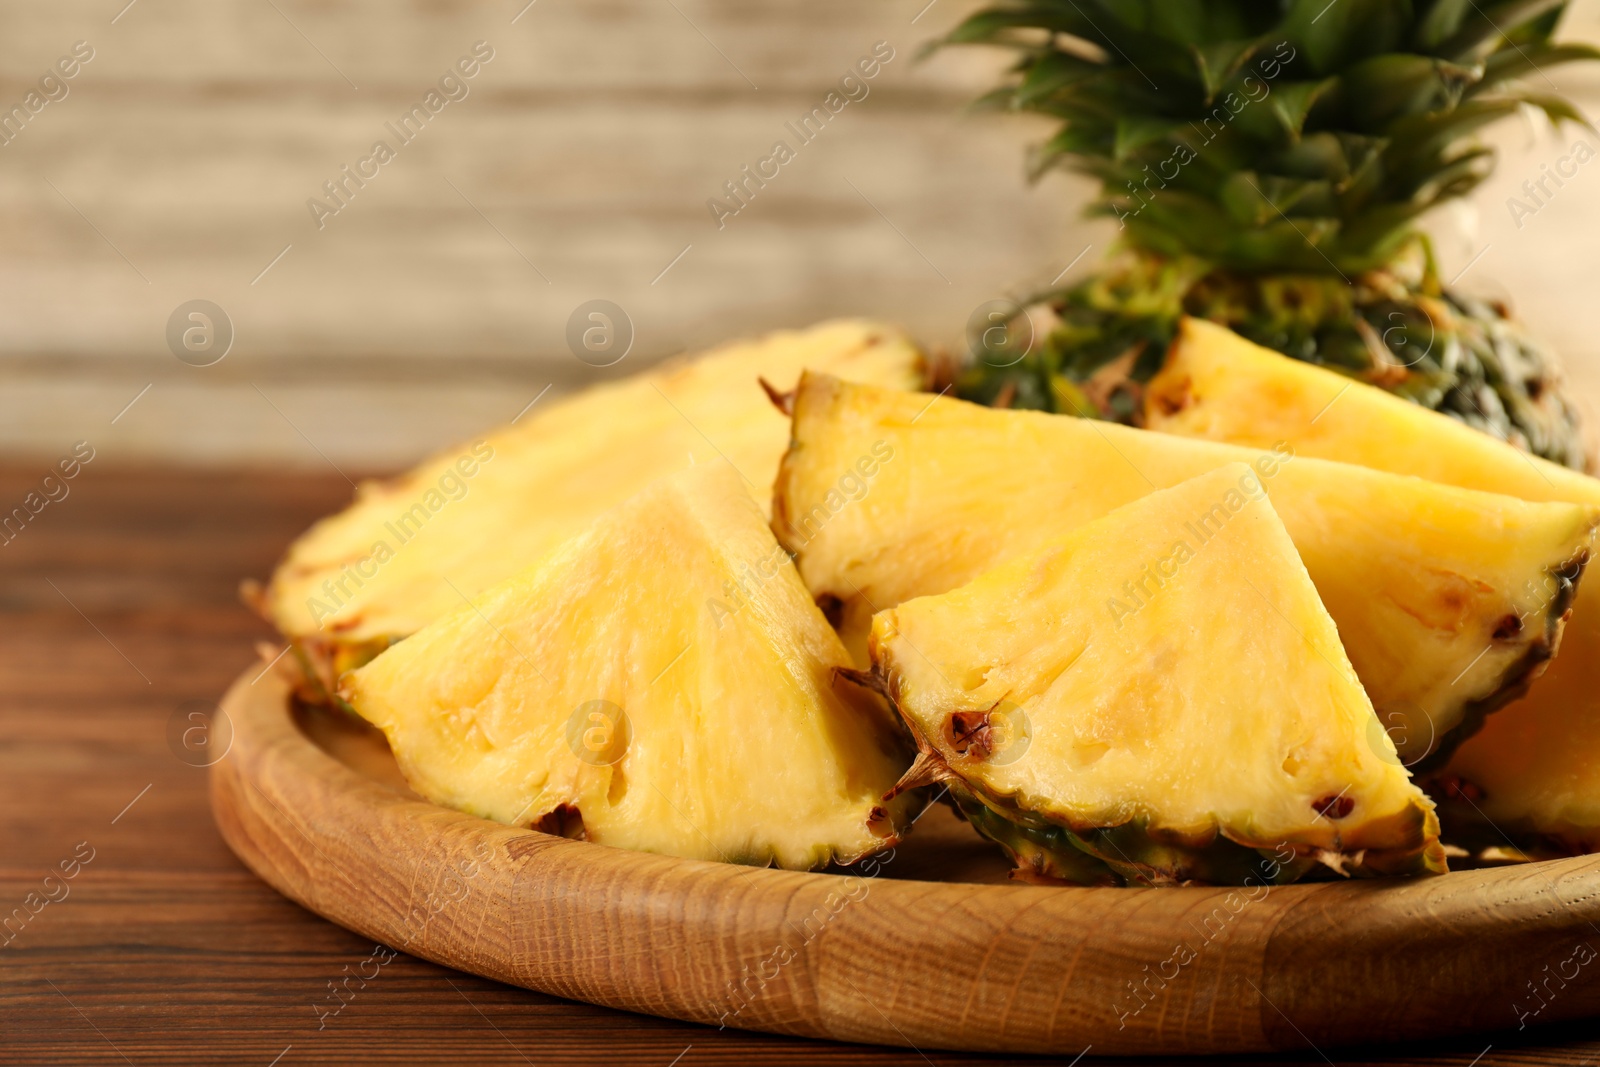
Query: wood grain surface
[(866, 956), (168, 951)]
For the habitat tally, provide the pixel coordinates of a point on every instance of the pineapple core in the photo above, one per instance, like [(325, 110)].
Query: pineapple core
[(1159, 695), (660, 682)]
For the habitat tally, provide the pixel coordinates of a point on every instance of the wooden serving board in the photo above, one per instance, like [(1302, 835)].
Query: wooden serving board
[(932, 948)]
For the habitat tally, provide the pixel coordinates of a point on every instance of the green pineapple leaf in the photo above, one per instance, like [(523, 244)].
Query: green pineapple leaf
[(1290, 105), (1490, 25), (1218, 63), (1529, 59), (1050, 75), (1374, 103), (1336, 33), (1138, 131), (1376, 91), (1439, 22), (1557, 109)]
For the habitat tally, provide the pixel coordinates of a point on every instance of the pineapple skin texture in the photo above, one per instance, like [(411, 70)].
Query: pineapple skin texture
[(1537, 762), (549, 476), (1418, 576), (680, 608), (1122, 700)]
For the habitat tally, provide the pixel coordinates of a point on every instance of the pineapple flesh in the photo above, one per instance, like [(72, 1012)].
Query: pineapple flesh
[(1535, 768), (408, 549), (1437, 591), (1217, 385), (1216, 734), (661, 682)]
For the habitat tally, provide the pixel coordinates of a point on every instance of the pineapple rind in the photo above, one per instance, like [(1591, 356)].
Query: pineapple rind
[(319, 664), (1565, 580), (1134, 854), (1130, 854), (1040, 853)]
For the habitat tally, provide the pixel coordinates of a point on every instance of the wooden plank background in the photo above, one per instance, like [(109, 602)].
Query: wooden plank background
[(179, 165)]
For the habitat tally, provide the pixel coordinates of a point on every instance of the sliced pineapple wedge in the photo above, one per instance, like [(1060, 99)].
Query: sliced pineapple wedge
[(1535, 768), (661, 682), (393, 561), (1438, 592), (1217, 385), (1215, 733)]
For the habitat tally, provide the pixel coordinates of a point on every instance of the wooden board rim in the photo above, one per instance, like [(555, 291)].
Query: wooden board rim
[(1010, 968)]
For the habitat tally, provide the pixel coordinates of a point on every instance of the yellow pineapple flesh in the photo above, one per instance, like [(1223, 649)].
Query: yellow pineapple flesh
[(1216, 734), (409, 548), (1535, 767), (886, 495), (662, 682), (1219, 386)]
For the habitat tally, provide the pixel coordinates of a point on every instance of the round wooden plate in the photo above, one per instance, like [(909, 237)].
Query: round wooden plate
[(314, 805)]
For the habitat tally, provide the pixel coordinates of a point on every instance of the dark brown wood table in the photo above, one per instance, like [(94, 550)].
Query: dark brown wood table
[(119, 607)]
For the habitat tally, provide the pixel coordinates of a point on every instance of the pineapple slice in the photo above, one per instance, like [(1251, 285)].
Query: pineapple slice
[(1217, 385), (661, 682), (1537, 763), (384, 567), (1438, 592), (1217, 733)]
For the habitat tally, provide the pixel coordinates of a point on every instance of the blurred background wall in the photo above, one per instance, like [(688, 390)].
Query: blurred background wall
[(576, 166)]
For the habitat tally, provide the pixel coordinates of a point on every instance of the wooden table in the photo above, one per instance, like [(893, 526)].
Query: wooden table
[(118, 606)]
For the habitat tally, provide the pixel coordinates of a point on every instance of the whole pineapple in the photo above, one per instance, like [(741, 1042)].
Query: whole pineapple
[(1267, 161)]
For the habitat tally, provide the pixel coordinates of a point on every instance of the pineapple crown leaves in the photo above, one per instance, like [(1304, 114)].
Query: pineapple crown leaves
[(1274, 135)]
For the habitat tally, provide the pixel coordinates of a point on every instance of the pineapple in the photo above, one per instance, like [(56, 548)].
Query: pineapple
[(1535, 768), (1066, 722), (1217, 385), (660, 682), (409, 548), (1439, 593), (1267, 165)]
